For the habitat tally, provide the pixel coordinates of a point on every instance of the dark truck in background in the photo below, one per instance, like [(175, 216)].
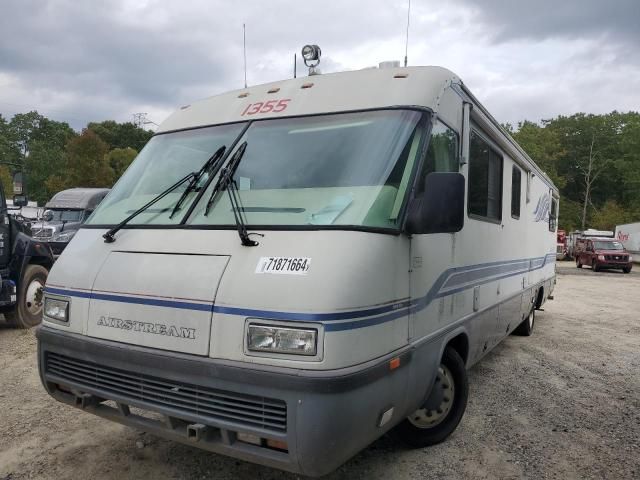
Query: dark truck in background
[(599, 253), (24, 265), (64, 214)]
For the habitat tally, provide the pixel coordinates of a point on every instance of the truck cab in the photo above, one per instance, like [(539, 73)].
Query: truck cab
[(64, 214), (599, 253), (24, 267)]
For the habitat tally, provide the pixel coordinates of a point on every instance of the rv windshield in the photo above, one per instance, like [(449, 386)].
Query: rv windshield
[(342, 169), (345, 169)]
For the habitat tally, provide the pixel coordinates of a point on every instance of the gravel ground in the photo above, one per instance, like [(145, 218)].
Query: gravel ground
[(564, 403)]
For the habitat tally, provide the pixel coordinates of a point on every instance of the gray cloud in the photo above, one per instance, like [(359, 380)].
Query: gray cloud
[(85, 61), (542, 19)]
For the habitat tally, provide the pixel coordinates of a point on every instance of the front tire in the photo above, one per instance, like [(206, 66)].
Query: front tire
[(594, 267), (578, 263), (626, 269), (28, 310), (426, 427)]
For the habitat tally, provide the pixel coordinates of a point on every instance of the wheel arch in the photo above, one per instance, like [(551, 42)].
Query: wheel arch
[(459, 341)]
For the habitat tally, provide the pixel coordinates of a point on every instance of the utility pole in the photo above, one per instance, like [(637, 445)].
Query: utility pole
[(139, 119)]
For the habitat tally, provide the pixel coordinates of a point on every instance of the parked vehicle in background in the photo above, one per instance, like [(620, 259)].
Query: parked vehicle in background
[(24, 266), (287, 272), (561, 245), (600, 253), (576, 241), (629, 235), (64, 214)]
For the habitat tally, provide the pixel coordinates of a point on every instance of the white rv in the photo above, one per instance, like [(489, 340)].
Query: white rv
[(288, 271)]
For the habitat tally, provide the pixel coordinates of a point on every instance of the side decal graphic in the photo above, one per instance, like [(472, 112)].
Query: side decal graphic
[(452, 280)]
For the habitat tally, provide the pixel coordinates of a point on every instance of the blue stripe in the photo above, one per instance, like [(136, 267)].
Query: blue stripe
[(134, 300), (478, 274)]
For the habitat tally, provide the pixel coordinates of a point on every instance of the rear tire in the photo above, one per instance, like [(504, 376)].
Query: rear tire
[(525, 329), (428, 427), (28, 310)]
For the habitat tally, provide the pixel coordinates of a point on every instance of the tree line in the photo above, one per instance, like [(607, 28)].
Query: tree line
[(594, 160), (56, 157)]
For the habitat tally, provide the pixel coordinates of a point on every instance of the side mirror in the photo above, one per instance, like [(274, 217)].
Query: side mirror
[(20, 201), (47, 216), (440, 209), (18, 184)]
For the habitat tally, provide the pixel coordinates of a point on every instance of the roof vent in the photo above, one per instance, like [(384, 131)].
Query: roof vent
[(389, 64)]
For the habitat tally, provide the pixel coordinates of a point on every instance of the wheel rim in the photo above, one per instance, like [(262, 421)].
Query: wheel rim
[(531, 317), (425, 418), (33, 297)]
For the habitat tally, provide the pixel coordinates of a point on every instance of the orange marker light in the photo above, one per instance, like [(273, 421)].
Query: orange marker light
[(394, 363)]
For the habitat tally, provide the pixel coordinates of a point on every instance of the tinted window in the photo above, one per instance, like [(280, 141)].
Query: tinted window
[(608, 245), (516, 188), (553, 215), (485, 179), (442, 154)]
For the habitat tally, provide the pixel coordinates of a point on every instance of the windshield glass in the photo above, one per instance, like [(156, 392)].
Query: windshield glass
[(66, 215), (160, 164), (343, 169), (608, 246)]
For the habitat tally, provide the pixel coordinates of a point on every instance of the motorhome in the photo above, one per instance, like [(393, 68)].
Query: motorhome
[(64, 214), (288, 271)]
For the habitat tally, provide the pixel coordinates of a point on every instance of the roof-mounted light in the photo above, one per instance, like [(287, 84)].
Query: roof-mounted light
[(311, 56)]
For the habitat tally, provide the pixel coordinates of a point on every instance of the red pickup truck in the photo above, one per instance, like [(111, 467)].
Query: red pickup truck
[(601, 253)]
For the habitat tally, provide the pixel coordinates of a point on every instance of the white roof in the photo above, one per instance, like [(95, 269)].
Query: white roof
[(343, 91)]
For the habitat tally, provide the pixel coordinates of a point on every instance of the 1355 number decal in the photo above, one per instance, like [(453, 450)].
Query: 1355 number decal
[(266, 107)]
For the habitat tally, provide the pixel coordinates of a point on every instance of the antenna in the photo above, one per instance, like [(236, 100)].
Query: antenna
[(406, 45), (244, 52), (295, 72)]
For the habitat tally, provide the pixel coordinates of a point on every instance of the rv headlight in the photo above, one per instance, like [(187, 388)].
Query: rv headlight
[(56, 309), (297, 341), (630, 258), (601, 257)]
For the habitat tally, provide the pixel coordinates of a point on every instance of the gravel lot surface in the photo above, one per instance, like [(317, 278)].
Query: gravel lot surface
[(564, 403)]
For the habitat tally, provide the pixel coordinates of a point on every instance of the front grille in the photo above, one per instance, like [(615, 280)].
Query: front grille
[(204, 402), (43, 234), (616, 258)]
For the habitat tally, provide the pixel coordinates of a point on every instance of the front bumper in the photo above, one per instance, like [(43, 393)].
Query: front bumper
[(614, 264), (324, 417)]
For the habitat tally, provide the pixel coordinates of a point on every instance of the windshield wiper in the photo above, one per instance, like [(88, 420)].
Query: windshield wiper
[(226, 182), (108, 237), (209, 165)]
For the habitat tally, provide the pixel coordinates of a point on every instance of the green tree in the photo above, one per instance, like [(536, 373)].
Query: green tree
[(87, 165), (610, 215), (121, 135), (119, 159)]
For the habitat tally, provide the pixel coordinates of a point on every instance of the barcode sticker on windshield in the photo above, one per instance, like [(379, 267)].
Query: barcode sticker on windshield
[(284, 265)]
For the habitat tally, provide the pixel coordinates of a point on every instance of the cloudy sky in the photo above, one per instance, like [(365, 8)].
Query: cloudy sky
[(81, 61)]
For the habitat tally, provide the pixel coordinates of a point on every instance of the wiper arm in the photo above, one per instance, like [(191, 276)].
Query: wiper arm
[(225, 176), (109, 236), (208, 165), (225, 182)]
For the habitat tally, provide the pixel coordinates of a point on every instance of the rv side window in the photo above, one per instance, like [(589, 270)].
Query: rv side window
[(442, 154), (553, 215), (516, 189), (485, 180)]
